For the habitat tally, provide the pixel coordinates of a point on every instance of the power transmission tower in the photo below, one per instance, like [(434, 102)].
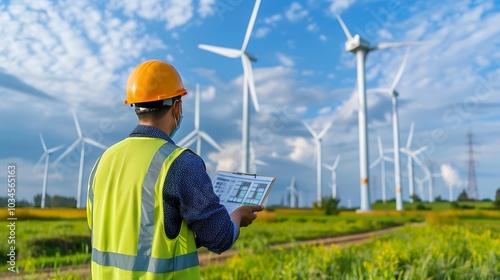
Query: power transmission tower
[(472, 190)]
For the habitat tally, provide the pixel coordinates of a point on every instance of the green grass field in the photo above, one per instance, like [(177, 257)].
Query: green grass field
[(435, 206)]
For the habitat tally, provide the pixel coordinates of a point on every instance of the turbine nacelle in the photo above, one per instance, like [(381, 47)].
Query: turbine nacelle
[(355, 43), (251, 57)]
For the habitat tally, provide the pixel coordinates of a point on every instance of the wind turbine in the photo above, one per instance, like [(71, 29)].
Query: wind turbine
[(248, 83), (333, 168), (46, 154), (80, 141), (395, 130), (317, 141), (413, 155), (361, 47), (293, 193), (197, 134), (381, 159), (410, 161)]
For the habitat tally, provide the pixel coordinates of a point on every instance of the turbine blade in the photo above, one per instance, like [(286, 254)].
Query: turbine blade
[(39, 161), (421, 150), (397, 45), (373, 164), (250, 25), (94, 143), (325, 129), (410, 135), (380, 149), (388, 159), (344, 27), (379, 90), (77, 125), (197, 108), (336, 163), (400, 71), (310, 129), (55, 149), (250, 80), (189, 143), (328, 167), (186, 138), (68, 150), (231, 53), (43, 143), (210, 140), (261, 163)]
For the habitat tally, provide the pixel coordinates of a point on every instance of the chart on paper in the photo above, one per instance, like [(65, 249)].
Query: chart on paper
[(236, 189)]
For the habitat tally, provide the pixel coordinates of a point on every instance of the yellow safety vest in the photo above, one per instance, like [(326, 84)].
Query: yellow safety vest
[(125, 214)]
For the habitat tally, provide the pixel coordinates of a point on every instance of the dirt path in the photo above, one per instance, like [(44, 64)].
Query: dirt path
[(207, 258)]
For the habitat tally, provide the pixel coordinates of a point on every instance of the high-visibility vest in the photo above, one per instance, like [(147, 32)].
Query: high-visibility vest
[(125, 214)]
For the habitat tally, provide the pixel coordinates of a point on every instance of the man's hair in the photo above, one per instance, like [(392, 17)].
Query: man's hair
[(154, 110)]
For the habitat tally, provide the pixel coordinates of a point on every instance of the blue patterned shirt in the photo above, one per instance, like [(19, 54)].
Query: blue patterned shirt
[(188, 194)]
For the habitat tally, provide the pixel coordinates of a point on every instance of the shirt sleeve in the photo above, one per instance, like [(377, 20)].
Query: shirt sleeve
[(200, 207)]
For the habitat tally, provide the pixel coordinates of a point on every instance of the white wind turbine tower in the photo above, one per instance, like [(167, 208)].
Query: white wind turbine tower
[(46, 154), (248, 83), (80, 141), (333, 168), (395, 131), (293, 193), (317, 141), (381, 159), (361, 47), (197, 134)]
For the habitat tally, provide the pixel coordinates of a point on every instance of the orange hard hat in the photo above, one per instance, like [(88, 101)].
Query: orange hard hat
[(153, 80)]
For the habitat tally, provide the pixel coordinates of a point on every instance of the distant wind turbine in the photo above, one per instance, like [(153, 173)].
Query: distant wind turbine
[(410, 161), (46, 154), (197, 134), (381, 159), (248, 83), (80, 141), (333, 169), (395, 131), (293, 193), (317, 141), (361, 47)]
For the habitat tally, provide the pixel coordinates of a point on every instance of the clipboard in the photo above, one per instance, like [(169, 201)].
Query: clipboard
[(235, 189)]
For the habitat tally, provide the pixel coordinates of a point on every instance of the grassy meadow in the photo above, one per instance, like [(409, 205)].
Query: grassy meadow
[(54, 238)]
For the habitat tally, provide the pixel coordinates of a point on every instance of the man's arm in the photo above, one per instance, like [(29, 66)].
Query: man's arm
[(199, 205)]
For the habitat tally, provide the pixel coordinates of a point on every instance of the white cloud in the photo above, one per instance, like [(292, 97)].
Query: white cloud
[(285, 60), (206, 8), (208, 94), (296, 12), (312, 27), (450, 176), (272, 20), (302, 150), (323, 38), (175, 12), (337, 6), (308, 72), (262, 32), (325, 110), (385, 34), (170, 58)]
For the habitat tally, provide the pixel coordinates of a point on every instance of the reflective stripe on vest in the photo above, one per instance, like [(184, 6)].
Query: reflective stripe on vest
[(143, 260)]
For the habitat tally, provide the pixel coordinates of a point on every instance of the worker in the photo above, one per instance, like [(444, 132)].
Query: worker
[(150, 203)]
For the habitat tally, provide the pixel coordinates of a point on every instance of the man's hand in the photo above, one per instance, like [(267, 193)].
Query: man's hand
[(244, 215)]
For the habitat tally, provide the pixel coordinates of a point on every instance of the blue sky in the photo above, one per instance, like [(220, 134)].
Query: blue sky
[(59, 56)]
